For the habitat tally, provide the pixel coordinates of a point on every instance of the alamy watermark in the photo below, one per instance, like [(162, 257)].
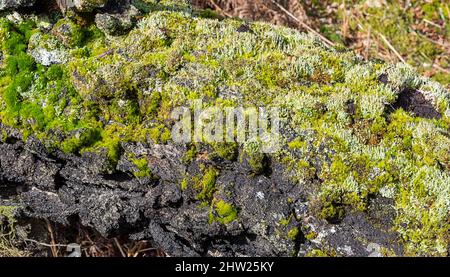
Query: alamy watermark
[(242, 125)]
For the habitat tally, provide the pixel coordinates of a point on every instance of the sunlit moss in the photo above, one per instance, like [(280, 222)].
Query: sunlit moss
[(293, 233), (142, 168), (223, 212), (206, 185)]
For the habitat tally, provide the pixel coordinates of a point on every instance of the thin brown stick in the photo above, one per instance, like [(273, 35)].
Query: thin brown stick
[(144, 250), (218, 8), (438, 67), (120, 247), (45, 244), (53, 248), (432, 23), (303, 24), (368, 42), (386, 41), (387, 56)]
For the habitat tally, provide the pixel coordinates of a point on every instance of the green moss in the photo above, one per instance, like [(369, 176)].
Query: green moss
[(426, 230), (190, 155), (318, 253), (296, 144), (310, 235), (147, 6), (184, 184), (228, 151), (82, 138), (207, 185), (142, 168), (285, 221), (293, 233), (255, 157), (223, 212), (332, 213), (8, 211), (8, 236), (160, 134), (70, 33)]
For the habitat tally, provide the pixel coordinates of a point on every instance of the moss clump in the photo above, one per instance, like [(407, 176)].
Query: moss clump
[(255, 157), (34, 96), (285, 221), (332, 212), (206, 185), (293, 233), (190, 155), (223, 212), (80, 139), (228, 151), (68, 32), (142, 168), (8, 212), (296, 144), (160, 134), (184, 184), (311, 235)]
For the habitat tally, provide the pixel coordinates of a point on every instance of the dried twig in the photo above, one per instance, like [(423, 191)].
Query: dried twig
[(53, 248), (218, 8), (303, 24), (46, 244), (144, 250), (367, 46), (432, 23), (391, 47), (120, 247), (438, 67)]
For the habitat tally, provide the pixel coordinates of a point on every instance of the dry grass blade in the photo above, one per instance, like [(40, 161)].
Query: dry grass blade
[(219, 9), (441, 68), (120, 247), (50, 245), (53, 246), (432, 23), (386, 41), (302, 24)]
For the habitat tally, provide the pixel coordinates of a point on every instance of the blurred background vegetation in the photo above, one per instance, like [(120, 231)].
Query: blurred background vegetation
[(409, 31)]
